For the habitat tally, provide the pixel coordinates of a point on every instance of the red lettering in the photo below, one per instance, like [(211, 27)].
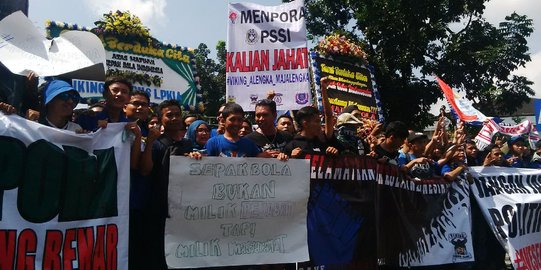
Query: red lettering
[(85, 246), (26, 249), (229, 62), (98, 260), (7, 248), (112, 242), (69, 251), (51, 254)]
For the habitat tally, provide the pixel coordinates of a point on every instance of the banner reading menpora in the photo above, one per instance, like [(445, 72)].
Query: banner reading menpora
[(266, 50), (164, 71), (64, 197)]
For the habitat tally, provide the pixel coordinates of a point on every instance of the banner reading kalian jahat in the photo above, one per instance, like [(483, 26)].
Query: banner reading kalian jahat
[(266, 50)]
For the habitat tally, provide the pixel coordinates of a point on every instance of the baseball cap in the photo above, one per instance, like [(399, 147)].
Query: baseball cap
[(415, 136), (515, 139)]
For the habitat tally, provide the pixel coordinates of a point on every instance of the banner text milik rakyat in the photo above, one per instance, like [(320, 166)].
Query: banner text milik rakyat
[(266, 50)]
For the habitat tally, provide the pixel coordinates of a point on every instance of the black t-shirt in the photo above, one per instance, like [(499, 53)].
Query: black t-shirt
[(382, 153), (309, 146), (275, 142)]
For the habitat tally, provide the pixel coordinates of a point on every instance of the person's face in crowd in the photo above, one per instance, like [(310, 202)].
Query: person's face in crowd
[(189, 120), (471, 150), (154, 122), (202, 134), (497, 155), (285, 124), (264, 117), (172, 118), (118, 95), (219, 117), (437, 154), (245, 129), (518, 148), (459, 154), (233, 123), (312, 126), (394, 142), (63, 104), (418, 146), (137, 108)]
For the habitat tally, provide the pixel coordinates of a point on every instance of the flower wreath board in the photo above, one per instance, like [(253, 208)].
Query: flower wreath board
[(164, 71), (351, 83)]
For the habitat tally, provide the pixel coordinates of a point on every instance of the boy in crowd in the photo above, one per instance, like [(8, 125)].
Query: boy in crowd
[(285, 123), (494, 156), (310, 139), (267, 137), (387, 151), (230, 144), (116, 92), (347, 126), (155, 164), (517, 148), (414, 161), (138, 109)]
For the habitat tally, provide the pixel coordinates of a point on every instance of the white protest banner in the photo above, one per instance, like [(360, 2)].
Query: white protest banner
[(23, 49), (64, 197), (266, 50), (236, 211), (510, 199)]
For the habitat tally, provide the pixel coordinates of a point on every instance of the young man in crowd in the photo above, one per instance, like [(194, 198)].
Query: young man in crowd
[(308, 140), (387, 151), (116, 92), (517, 148), (472, 153), (346, 134), (138, 110), (267, 137), (220, 129), (414, 161), (311, 139), (494, 156), (154, 163), (285, 123), (230, 144)]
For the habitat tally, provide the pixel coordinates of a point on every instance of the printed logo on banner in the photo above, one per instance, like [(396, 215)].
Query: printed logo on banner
[(278, 98), (231, 98), (301, 98), (251, 37), (253, 99), (233, 17), (459, 241)]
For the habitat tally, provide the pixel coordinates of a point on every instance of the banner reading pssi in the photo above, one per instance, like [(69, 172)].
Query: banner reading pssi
[(63, 197)]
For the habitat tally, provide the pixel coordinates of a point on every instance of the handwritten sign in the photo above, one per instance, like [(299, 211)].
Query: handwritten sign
[(23, 49), (233, 211)]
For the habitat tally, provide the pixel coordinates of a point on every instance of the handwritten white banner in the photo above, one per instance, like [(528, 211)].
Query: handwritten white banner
[(236, 211), (23, 49)]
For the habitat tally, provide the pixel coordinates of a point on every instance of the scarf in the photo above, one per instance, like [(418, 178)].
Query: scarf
[(490, 128)]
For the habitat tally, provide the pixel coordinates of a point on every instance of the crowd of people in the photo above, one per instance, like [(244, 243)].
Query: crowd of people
[(162, 130)]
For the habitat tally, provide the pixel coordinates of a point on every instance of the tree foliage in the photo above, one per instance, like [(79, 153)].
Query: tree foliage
[(408, 41), (211, 76)]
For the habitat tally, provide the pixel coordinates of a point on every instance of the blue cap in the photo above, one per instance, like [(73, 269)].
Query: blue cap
[(56, 87)]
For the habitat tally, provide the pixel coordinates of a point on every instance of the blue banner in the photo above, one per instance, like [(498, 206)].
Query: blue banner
[(537, 109)]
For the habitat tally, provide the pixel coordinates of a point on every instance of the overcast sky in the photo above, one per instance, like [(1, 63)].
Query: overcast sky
[(190, 22)]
